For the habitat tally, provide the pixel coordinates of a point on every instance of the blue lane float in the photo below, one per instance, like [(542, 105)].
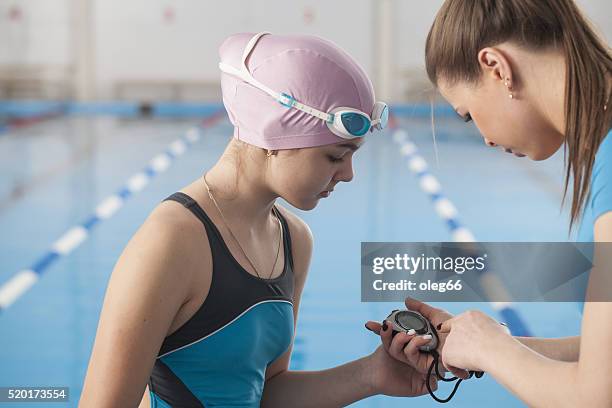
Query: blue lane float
[(22, 281)]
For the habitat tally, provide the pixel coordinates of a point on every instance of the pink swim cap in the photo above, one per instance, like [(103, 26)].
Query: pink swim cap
[(316, 72)]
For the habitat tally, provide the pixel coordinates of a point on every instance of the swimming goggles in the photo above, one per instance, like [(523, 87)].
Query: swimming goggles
[(345, 122)]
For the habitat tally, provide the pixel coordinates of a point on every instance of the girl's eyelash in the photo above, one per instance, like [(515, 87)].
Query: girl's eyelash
[(467, 118), (335, 159)]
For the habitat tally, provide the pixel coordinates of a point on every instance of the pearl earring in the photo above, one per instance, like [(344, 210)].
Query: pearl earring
[(510, 95)]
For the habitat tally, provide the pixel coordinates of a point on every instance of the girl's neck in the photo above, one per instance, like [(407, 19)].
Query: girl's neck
[(241, 195)]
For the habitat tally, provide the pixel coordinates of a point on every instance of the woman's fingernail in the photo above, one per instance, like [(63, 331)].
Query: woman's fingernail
[(384, 326), (372, 330), (411, 332), (427, 337)]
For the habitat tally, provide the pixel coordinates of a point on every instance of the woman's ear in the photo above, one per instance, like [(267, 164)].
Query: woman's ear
[(494, 63)]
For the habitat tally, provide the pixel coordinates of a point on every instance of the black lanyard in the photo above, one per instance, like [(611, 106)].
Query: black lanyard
[(434, 363)]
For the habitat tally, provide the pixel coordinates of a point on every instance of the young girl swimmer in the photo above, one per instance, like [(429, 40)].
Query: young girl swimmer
[(203, 302), (532, 75)]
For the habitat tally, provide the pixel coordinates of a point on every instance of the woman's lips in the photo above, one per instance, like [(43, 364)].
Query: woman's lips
[(517, 154), (505, 149), (325, 193)]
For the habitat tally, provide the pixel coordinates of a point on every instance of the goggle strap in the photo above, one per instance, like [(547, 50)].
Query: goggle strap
[(284, 99), (244, 73), (314, 112), (249, 47), (247, 77)]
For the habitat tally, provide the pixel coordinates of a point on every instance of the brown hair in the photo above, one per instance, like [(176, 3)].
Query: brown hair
[(463, 27)]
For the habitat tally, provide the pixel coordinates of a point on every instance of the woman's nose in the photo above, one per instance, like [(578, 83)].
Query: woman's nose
[(490, 143)]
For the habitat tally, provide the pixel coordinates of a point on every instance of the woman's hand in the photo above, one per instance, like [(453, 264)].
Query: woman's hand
[(390, 377), (471, 337), (405, 348)]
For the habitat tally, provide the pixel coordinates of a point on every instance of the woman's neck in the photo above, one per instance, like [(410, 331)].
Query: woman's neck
[(547, 72)]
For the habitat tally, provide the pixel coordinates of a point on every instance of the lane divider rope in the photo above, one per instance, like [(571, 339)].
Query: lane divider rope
[(23, 280)]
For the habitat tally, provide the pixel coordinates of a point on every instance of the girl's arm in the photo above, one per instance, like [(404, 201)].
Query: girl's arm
[(335, 387), (148, 285)]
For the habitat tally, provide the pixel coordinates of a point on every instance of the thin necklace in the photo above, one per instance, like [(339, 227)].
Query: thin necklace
[(280, 232)]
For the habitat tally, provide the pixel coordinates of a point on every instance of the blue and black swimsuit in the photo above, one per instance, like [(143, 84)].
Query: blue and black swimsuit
[(218, 358)]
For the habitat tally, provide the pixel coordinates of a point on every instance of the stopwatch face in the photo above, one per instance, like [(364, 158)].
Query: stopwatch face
[(410, 321)]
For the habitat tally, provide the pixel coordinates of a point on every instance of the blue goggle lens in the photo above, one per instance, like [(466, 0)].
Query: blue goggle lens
[(355, 123)]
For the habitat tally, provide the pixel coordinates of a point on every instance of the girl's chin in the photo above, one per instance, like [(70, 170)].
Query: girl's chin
[(305, 205)]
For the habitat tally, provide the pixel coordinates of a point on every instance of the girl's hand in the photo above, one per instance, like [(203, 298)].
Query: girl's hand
[(390, 377), (405, 348)]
